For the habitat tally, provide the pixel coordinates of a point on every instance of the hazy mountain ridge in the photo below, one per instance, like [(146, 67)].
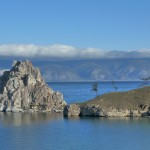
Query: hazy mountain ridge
[(85, 70), (59, 73)]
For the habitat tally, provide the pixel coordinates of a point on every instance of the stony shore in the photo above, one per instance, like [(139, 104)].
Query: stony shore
[(134, 103)]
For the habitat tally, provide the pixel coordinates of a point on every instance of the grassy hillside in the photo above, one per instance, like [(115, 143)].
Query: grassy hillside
[(135, 99)]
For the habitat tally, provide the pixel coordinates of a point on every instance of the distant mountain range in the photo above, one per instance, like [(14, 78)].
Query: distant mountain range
[(87, 70)]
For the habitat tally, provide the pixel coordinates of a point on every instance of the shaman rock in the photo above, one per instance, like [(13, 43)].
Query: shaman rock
[(23, 89)]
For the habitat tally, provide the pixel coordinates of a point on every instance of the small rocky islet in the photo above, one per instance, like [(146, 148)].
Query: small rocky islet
[(22, 89)]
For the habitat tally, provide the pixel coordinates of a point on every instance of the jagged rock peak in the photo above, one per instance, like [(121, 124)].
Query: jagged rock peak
[(25, 68), (23, 89)]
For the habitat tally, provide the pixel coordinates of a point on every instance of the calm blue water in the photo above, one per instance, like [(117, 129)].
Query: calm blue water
[(81, 91), (46, 131)]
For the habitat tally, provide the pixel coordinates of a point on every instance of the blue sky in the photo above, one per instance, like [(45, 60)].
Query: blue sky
[(105, 24)]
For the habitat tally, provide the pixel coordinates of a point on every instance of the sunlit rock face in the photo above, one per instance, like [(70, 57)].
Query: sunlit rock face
[(23, 89), (97, 111)]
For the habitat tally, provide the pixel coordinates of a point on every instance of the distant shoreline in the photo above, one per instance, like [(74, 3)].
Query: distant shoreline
[(94, 81)]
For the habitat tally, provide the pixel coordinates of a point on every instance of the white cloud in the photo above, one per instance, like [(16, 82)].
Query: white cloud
[(65, 51), (36, 50)]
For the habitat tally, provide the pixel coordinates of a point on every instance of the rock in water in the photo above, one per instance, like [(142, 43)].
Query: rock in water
[(23, 89), (72, 110)]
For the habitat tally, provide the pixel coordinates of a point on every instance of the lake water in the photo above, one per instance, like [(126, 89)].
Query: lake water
[(81, 91), (46, 131)]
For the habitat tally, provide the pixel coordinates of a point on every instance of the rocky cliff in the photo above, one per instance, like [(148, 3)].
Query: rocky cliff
[(134, 103), (23, 89)]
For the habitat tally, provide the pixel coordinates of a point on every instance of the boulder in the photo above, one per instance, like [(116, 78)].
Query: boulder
[(72, 110), (23, 89)]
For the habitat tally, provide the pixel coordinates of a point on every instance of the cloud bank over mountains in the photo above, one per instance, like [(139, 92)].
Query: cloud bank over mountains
[(66, 51)]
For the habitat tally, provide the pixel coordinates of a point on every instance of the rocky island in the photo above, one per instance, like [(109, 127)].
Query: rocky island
[(23, 89), (134, 103)]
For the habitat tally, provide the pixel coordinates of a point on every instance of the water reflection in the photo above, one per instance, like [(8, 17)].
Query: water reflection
[(19, 119), (42, 131), (111, 121), (118, 120)]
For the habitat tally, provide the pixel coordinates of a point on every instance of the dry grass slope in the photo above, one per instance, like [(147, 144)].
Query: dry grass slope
[(137, 99)]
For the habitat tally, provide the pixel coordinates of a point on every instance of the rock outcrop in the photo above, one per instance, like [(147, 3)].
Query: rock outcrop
[(134, 103), (97, 111), (72, 110), (23, 89)]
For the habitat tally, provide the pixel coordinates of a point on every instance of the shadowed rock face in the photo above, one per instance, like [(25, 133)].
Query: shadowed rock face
[(23, 89)]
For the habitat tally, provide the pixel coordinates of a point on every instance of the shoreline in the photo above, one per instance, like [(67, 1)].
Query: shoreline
[(133, 103)]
